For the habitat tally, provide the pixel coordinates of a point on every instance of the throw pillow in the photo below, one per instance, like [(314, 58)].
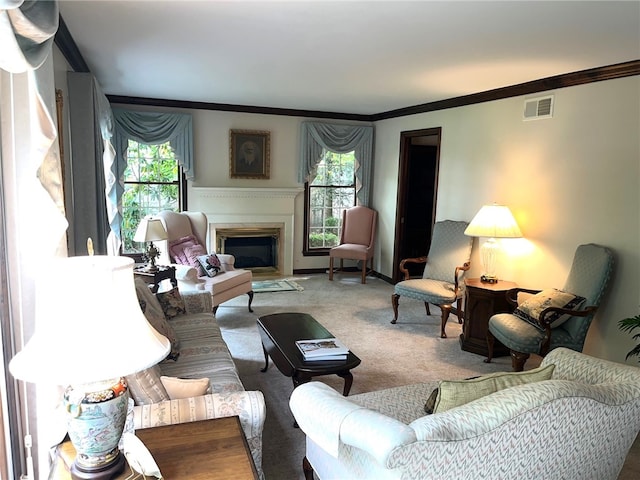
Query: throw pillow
[(210, 264), (177, 247), (192, 253), (531, 308), (172, 303), (454, 393), (184, 387), (146, 387), (152, 310)]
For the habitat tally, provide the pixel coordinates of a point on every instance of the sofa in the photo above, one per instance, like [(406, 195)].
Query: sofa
[(580, 423), (199, 380), (228, 283)]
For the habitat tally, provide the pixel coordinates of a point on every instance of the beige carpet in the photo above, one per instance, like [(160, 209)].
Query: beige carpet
[(392, 355)]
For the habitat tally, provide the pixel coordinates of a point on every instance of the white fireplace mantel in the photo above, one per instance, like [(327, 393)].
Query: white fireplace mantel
[(249, 206)]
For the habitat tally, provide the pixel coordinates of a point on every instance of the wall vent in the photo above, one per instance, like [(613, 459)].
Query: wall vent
[(538, 108)]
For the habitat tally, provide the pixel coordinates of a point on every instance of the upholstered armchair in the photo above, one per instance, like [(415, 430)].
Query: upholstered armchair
[(578, 424), (544, 320), (228, 283), (357, 238), (445, 265)]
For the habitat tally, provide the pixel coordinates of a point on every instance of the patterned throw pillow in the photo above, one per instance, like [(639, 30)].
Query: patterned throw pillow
[(152, 310), (531, 308), (192, 253), (172, 303), (451, 394), (210, 264), (146, 387)]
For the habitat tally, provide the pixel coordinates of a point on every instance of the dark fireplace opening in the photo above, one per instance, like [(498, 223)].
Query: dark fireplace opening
[(253, 252)]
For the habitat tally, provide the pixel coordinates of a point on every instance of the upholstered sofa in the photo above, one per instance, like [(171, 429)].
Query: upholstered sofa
[(228, 283), (198, 352), (580, 423)]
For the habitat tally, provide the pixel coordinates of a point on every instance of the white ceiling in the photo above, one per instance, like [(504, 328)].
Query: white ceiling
[(361, 57)]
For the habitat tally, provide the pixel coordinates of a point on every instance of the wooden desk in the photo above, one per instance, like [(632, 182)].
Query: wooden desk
[(196, 451), (481, 302)]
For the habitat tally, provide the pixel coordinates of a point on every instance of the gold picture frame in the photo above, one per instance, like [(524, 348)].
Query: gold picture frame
[(249, 154)]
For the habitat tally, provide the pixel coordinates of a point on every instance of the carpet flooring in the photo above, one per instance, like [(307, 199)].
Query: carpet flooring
[(359, 315)]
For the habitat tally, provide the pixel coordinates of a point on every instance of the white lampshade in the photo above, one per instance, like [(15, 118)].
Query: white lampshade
[(494, 221), (89, 325), (150, 230)]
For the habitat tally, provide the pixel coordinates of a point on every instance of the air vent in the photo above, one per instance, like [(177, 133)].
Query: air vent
[(538, 108)]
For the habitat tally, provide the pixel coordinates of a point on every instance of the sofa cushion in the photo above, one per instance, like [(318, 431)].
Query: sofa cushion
[(171, 303), (533, 306), (454, 393), (153, 312), (145, 387), (184, 387)]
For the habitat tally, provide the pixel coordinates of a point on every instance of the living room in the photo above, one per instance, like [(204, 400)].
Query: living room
[(570, 179)]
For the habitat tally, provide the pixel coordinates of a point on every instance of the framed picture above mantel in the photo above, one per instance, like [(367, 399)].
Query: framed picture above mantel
[(249, 152)]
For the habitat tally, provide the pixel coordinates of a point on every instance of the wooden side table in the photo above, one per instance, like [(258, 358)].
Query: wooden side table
[(196, 451), (154, 278), (482, 301)]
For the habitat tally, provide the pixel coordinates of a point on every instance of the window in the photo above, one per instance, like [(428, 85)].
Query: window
[(152, 183), (331, 192)]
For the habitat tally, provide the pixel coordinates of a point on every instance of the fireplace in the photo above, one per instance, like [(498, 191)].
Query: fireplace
[(255, 247)]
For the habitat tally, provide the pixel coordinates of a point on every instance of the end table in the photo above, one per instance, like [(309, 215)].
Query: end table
[(482, 301), (154, 278)]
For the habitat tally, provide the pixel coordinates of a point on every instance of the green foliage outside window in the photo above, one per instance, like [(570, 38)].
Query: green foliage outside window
[(152, 184), (331, 191)]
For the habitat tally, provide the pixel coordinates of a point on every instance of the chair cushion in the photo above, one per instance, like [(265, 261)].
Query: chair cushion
[(177, 248), (192, 253), (351, 251), (454, 393), (435, 292), (532, 307)]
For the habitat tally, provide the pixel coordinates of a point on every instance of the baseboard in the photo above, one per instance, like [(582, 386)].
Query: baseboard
[(304, 271)]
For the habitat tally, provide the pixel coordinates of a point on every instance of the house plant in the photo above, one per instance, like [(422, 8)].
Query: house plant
[(628, 325)]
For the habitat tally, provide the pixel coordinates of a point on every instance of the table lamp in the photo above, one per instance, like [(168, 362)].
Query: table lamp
[(150, 230), (90, 332), (492, 221)]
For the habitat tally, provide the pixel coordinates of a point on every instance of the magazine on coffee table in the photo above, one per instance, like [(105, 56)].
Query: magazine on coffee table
[(323, 349)]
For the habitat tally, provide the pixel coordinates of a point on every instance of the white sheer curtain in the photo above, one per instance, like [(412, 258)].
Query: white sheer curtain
[(32, 199)]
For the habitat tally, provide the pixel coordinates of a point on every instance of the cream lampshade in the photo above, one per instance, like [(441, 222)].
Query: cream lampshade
[(492, 221), (150, 230), (90, 332)]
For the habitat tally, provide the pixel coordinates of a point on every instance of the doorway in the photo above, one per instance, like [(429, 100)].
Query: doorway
[(417, 194)]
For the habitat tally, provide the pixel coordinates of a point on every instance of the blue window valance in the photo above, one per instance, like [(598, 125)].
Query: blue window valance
[(315, 137)]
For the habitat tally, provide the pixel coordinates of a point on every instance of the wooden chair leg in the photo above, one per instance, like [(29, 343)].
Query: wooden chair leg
[(518, 360), (364, 272), (330, 268), (446, 309), (460, 312), (490, 341), (394, 303), (250, 300), (307, 469), (426, 307)]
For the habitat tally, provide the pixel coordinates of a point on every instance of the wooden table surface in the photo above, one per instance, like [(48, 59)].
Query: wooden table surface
[(197, 450)]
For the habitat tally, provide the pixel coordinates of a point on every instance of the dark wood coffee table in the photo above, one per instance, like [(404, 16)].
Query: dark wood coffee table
[(279, 333)]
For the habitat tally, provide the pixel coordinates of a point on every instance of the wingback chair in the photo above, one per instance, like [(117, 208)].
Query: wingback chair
[(357, 238), (590, 273), (441, 283), (227, 284)]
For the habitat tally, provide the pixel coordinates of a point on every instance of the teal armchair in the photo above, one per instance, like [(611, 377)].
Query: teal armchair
[(590, 273)]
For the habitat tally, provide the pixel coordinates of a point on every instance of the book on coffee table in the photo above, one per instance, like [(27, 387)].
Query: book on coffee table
[(322, 349)]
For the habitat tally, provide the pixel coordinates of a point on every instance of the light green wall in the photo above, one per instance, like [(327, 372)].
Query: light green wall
[(569, 180)]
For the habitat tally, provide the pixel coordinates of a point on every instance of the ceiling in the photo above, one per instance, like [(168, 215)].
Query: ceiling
[(359, 57)]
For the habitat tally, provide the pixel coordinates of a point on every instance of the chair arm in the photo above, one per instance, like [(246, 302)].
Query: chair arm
[(328, 418), (457, 275), (403, 262), (546, 322), (227, 261)]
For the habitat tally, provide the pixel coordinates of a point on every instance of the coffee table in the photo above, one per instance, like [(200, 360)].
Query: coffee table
[(279, 332)]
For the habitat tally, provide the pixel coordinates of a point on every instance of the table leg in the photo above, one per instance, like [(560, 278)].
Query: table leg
[(266, 360), (348, 381)]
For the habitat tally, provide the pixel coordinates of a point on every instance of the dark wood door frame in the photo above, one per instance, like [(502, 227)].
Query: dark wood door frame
[(406, 139)]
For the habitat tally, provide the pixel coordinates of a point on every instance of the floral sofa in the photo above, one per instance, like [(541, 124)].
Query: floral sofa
[(199, 380), (580, 423)]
